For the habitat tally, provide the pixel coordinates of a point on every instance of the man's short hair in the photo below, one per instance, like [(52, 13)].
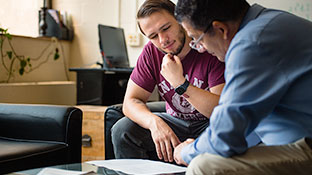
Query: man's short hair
[(151, 6), (201, 13)]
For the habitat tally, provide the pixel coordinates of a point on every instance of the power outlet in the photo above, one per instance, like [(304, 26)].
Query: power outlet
[(133, 39)]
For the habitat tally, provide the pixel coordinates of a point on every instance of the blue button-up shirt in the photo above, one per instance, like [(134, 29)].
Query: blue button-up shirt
[(268, 89)]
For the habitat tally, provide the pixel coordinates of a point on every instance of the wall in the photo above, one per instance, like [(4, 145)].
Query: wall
[(87, 15), (52, 70), (47, 85), (51, 92), (21, 17), (301, 8)]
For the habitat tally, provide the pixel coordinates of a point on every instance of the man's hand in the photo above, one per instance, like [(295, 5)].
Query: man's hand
[(172, 70), (177, 152), (165, 140)]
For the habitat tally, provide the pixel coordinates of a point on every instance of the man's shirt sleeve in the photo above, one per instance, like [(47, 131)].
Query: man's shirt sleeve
[(254, 85)]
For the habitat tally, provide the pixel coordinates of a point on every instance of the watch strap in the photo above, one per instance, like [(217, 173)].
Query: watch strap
[(182, 88)]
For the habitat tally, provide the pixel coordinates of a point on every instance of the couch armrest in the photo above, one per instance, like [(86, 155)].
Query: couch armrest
[(43, 122)]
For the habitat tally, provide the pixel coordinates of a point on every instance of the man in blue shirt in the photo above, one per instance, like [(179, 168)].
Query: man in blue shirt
[(268, 57)]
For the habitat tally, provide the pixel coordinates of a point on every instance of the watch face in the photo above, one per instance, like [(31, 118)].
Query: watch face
[(180, 90)]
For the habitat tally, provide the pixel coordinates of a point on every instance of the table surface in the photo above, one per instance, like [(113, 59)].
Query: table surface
[(79, 167)]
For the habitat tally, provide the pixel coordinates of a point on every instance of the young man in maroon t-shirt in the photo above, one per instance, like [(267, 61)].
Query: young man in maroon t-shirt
[(190, 82)]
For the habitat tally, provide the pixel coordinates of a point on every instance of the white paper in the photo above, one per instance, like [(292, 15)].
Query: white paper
[(55, 171), (138, 166)]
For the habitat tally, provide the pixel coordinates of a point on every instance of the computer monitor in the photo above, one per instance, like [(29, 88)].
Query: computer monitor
[(113, 47)]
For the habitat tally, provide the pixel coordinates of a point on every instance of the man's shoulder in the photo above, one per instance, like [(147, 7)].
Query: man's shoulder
[(205, 57), (208, 55), (150, 46)]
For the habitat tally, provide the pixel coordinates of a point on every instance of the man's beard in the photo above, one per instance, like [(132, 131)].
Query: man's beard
[(181, 39)]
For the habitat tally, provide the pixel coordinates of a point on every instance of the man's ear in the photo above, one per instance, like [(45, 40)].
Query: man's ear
[(223, 28)]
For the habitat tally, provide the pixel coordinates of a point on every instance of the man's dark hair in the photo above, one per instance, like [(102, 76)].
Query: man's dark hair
[(151, 6), (201, 13)]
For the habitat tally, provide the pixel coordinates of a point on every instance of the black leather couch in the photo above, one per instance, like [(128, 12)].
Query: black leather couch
[(34, 136), (113, 114)]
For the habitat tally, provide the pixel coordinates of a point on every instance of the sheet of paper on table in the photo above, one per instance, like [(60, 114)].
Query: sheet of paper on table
[(55, 171), (138, 166)]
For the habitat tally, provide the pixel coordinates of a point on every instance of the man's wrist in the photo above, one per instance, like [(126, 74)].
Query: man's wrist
[(182, 88), (154, 121), (180, 83)]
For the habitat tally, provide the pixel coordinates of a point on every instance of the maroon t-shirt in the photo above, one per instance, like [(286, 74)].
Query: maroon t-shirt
[(200, 69)]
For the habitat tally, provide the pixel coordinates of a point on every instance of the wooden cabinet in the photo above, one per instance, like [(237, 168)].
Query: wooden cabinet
[(93, 127)]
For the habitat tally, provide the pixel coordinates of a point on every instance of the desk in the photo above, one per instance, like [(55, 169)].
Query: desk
[(80, 167), (100, 87), (75, 166)]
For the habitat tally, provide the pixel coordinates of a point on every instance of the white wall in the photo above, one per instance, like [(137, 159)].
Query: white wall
[(87, 15), (21, 17), (301, 8)]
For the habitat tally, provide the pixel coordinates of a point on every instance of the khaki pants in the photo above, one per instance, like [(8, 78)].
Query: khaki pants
[(292, 159)]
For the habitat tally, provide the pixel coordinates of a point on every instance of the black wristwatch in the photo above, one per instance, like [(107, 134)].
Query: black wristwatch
[(182, 88)]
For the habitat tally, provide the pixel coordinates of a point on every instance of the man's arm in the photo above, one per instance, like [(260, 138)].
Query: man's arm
[(177, 151), (203, 101), (135, 108), (251, 93)]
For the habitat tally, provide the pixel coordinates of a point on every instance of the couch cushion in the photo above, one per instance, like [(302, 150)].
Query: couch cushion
[(20, 149), (16, 155)]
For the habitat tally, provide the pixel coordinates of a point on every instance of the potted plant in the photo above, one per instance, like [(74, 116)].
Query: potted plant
[(11, 61)]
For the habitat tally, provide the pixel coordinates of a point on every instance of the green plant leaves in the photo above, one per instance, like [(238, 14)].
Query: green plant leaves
[(10, 53), (3, 31), (10, 57), (56, 54), (23, 63), (21, 71), (8, 36), (28, 61)]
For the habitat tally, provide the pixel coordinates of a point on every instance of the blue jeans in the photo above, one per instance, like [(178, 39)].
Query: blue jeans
[(132, 141)]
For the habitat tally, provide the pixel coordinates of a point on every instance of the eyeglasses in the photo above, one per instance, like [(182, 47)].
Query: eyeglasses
[(195, 44)]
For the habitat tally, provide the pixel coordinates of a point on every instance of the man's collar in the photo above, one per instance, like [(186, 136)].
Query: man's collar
[(253, 12)]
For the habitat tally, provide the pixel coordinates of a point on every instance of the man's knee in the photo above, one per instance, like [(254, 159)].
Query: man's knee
[(119, 129), (198, 165), (214, 164)]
